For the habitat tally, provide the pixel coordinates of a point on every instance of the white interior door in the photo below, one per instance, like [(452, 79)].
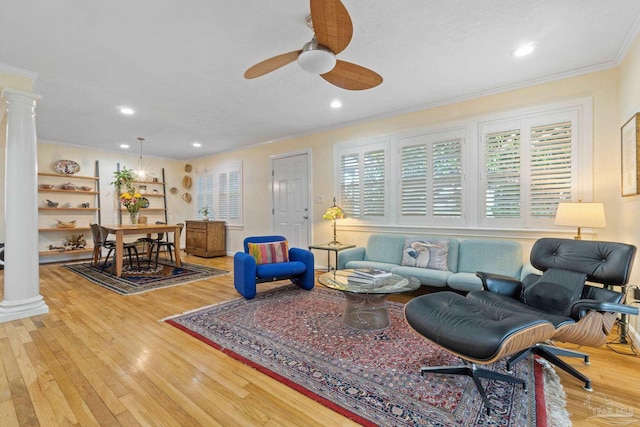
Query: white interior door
[(291, 199)]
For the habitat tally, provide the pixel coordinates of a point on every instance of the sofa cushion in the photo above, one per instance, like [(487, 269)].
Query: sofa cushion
[(280, 269), (269, 252), (464, 282), (494, 256), (425, 253), (385, 248), (426, 276)]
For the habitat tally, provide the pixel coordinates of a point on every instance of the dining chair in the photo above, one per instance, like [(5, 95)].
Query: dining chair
[(167, 244), (96, 234), (130, 247), (147, 243)]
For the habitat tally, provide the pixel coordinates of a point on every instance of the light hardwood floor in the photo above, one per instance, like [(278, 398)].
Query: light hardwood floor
[(99, 358)]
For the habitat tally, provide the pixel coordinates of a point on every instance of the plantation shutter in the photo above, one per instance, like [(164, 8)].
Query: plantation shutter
[(551, 168), (223, 199), (234, 195), (350, 184), (204, 194), (374, 183), (413, 180), (447, 179), (502, 174), (228, 195)]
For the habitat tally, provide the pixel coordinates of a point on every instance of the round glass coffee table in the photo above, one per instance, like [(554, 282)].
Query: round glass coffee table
[(366, 303)]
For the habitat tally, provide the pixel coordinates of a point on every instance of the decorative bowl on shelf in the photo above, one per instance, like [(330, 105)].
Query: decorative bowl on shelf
[(46, 186), (68, 186), (86, 188), (66, 224)]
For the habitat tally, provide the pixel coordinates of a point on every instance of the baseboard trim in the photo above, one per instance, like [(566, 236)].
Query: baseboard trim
[(634, 338)]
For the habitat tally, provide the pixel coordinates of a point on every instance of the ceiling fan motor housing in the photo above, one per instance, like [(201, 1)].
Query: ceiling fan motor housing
[(316, 58)]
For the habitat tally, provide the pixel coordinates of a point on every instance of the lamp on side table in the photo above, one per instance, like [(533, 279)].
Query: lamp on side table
[(333, 213)]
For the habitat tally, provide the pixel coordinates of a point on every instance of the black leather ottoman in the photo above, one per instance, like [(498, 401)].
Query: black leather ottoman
[(476, 332)]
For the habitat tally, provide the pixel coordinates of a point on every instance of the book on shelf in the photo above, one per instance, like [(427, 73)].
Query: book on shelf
[(371, 273)]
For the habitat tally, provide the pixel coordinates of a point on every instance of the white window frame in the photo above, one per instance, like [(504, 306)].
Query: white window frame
[(429, 140), (578, 111), (204, 194), (360, 149), (213, 200), (524, 123)]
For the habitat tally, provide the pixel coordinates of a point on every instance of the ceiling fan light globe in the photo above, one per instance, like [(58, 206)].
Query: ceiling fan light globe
[(316, 59)]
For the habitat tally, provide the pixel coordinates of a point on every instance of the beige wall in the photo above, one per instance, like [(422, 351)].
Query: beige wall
[(628, 105), (601, 86), (616, 96)]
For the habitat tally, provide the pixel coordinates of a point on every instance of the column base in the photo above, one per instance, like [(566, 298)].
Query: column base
[(13, 310)]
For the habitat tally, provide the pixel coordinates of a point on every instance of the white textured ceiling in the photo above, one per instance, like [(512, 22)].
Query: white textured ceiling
[(181, 64)]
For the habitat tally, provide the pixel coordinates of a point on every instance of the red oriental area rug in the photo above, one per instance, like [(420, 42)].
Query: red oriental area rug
[(298, 337)]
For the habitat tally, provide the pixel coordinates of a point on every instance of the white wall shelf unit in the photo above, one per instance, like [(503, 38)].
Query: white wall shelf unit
[(79, 205)]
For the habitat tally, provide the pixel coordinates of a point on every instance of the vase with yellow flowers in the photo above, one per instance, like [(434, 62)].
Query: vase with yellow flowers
[(132, 202), (124, 182)]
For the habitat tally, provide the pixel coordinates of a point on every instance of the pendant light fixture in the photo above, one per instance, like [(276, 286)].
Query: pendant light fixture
[(141, 170)]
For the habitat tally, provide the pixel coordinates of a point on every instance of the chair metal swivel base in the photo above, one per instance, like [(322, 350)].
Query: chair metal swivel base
[(551, 353), (475, 372)]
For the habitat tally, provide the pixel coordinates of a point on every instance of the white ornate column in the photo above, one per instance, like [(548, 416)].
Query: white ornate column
[(21, 271)]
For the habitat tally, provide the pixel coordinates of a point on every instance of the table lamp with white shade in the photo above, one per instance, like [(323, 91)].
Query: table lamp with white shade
[(590, 215)]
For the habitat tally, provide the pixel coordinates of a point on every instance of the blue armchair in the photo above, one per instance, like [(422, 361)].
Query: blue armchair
[(248, 272)]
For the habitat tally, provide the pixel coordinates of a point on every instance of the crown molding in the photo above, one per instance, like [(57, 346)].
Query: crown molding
[(10, 69)]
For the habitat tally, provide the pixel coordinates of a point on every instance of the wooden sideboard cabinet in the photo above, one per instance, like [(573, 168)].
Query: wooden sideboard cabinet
[(206, 238)]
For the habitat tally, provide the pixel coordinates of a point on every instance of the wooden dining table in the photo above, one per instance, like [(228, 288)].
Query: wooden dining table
[(122, 230)]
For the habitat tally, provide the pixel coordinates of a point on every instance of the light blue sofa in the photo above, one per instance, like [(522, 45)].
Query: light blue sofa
[(464, 258)]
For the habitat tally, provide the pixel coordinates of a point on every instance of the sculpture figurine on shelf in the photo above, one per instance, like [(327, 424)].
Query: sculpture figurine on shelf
[(71, 243)]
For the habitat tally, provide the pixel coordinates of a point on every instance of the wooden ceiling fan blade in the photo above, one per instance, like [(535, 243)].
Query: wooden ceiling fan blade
[(352, 77), (271, 64), (331, 24)]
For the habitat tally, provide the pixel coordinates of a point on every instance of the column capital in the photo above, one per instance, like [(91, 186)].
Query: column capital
[(19, 95)]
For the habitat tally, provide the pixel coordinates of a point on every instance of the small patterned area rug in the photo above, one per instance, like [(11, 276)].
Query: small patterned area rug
[(298, 338), (134, 281)]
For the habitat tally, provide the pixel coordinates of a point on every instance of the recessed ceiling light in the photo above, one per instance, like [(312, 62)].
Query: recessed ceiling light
[(128, 111), (525, 49), (124, 145), (197, 144), (336, 103)]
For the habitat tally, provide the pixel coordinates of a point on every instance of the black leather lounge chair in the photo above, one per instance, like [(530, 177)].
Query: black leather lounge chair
[(513, 318)]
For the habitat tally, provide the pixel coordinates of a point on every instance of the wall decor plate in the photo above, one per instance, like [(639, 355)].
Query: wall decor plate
[(186, 197), (186, 181), (66, 167), (173, 190), (187, 167), (145, 203)]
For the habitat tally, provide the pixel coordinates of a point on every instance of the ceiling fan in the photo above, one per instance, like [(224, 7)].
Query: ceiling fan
[(333, 31)]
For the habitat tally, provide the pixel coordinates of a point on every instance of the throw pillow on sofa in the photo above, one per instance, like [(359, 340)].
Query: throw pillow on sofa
[(426, 253), (270, 252)]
